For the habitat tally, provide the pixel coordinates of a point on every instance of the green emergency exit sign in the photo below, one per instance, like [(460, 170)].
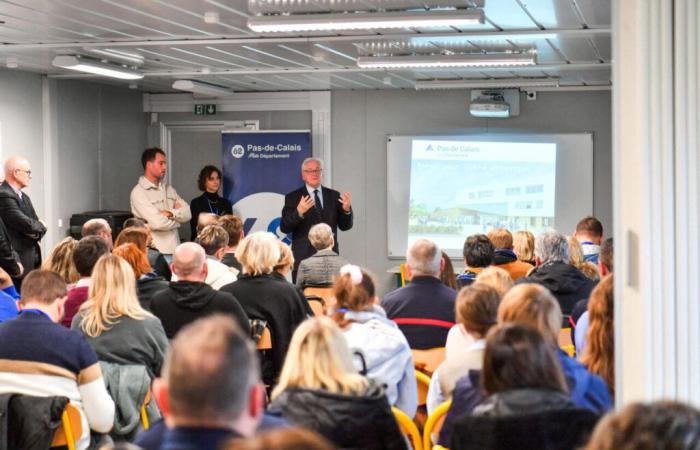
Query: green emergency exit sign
[(204, 110)]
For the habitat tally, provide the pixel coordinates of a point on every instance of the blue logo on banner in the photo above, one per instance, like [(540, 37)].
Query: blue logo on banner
[(259, 169)]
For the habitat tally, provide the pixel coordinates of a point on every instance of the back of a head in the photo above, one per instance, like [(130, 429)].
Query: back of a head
[(321, 236), (210, 368), (518, 357), (354, 289), (283, 439), (188, 260), (258, 253), (42, 286), (501, 238), (599, 352), (590, 226), (477, 307), (87, 252), (212, 238), (533, 305), (137, 236), (135, 257), (448, 276), (286, 260), (524, 245), (319, 358), (204, 220), (424, 257), (606, 254), (497, 278), (94, 227), (134, 222), (658, 425), (60, 260), (575, 251), (478, 251), (552, 246), (233, 226)]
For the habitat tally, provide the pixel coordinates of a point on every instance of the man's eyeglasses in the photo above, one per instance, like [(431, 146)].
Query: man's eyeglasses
[(315, 172), (28, 172)]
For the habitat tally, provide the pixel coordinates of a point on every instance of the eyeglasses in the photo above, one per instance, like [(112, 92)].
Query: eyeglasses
[(315, 172), (28, 172)]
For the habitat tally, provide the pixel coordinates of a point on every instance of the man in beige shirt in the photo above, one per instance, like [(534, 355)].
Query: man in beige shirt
[(158, 204)]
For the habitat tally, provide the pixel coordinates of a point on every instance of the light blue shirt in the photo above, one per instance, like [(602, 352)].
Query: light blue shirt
[(320, 193), (580, 333)]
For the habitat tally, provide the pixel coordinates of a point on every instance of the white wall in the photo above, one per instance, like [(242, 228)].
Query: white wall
[(361, 120)]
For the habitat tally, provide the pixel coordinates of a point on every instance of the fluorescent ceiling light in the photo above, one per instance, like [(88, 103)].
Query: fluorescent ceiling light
[(201, 88), (364, 21), (117, 55), (438, 61), (490, 83), (97, 67)]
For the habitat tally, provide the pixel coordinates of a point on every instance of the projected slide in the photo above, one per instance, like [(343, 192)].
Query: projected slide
[(459, 188)]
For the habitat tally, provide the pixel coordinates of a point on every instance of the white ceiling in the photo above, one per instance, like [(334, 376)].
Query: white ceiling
[(572, 39)]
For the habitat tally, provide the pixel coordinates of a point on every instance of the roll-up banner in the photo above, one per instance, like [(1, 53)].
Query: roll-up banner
[(260, 168)]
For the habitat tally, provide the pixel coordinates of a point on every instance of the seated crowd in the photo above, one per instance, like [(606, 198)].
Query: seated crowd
[(526, 332)]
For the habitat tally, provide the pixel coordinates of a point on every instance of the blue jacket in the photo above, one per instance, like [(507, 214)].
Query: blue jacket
[(587, 390)]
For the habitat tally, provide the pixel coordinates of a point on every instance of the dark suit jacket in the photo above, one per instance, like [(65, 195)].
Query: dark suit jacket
[(23, 226), (332, 214), (9, 258)]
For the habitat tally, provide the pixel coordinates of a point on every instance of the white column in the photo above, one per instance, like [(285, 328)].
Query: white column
[(655, 199)]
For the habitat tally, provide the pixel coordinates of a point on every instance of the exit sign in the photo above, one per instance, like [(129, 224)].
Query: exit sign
[(204, 110)]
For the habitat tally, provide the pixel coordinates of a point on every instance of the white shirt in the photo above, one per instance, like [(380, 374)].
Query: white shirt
[(320, 193)]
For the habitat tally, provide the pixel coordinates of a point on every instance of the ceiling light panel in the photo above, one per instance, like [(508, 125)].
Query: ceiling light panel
[(486, 83), (328, 6), (95, 67), (440, 61)]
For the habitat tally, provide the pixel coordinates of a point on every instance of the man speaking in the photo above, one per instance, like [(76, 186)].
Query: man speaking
[(312, 204)]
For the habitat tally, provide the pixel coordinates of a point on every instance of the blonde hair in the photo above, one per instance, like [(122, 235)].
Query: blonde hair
[(60, 261), (533, 305), (497, 278), (319, 358), (501, 238), (286, 256), (577, 260), (258, 253), (112, 295), (524, 245)]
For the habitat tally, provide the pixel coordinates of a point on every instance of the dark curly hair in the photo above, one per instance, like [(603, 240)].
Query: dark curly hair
[(204, 174)]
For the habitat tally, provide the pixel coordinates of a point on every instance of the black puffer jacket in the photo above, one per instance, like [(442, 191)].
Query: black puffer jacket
[(362, 421), (564, 281)]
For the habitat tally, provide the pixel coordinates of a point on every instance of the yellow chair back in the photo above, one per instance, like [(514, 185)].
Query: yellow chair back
[(70, 430), (408, 428), (434, 424)]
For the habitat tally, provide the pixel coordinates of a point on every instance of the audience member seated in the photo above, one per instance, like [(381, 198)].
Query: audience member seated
[(147, 282), (589, 232), (423, 309), (577, 260), (504, 256), (86, 254), (115, 324), (476, 310), (598, 349), (204, 220), (533, 305), (40, 357), (155, 258), (659, 425), (190, 298), (458, 340), (605, 259), (448, 276), (478, 253), (321, 268), (264, 296), (234, 227), (384, 352), (60, 261), (213, 240), (553, 271), (527, 404), (210, 390), (320, 389), (100, 228), (209, 182), (524, 246), (285, 264), (605, 267), (295, 438), (8, 297)]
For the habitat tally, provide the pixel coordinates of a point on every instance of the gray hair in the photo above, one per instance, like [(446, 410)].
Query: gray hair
[(424, 257), (188, 259), (94, 227), (308, 160), (321, 236), (551, 246)]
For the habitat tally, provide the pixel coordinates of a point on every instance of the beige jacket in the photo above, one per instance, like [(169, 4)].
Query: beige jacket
[(147, 200)]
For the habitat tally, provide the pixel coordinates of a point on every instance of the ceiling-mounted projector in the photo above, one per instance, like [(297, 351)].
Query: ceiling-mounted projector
[(494, 103)]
